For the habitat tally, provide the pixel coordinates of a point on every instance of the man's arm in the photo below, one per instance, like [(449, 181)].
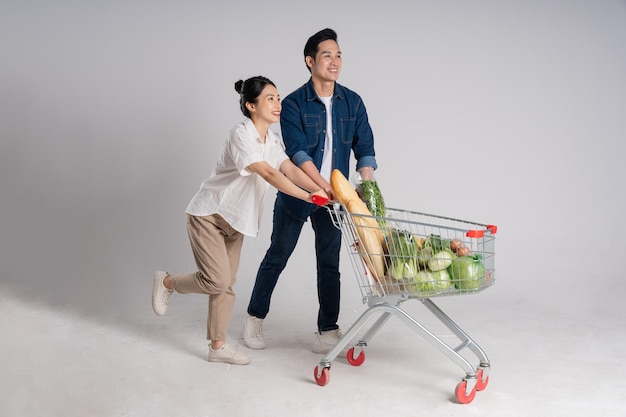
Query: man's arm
[(294, 138), (367, 173), (296, 143), (298, 176), (363, 143), (311, 170)]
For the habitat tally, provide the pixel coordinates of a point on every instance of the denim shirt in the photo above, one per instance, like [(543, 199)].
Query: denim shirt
[(303, 126)]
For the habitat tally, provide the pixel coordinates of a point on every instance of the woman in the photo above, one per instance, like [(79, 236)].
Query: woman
[(228, 206)]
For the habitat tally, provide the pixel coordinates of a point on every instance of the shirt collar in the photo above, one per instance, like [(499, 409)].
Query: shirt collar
[(311, 95), (252, 129)]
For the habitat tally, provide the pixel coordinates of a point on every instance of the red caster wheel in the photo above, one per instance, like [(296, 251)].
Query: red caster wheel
[(460, 394), (358, 361), (480, 384), (323, 378)]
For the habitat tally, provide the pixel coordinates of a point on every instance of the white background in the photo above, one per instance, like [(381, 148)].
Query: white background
[(504, 112), (500, 112)]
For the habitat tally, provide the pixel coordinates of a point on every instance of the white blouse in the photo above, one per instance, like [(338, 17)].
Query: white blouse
[(232, 191)]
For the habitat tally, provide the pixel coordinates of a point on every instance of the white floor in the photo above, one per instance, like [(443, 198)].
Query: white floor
[(67, 361)]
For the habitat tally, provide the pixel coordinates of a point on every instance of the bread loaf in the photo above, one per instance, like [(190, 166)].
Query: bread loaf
[(370, 235), (371, 249), (342, 189)]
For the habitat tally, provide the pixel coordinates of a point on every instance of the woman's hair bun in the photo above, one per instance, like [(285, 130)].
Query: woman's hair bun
[(239, 86)]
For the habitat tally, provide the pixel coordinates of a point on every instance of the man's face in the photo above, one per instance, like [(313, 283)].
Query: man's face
[(327, 63)]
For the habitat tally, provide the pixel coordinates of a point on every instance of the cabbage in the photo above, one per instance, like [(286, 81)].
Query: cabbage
[(422, 281), (402, 254), (431, 281), (441, 280), (467, 272), (441, 260)]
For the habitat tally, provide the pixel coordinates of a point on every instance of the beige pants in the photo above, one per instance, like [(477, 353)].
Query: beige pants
[(216, 248)]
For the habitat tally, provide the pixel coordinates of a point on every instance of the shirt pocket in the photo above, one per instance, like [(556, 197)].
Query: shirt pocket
[(347, 126), (312, 128)]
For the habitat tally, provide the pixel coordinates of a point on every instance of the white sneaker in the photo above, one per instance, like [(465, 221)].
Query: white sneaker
[(228, 354), (160, 294), (252, 333), (326, 341)]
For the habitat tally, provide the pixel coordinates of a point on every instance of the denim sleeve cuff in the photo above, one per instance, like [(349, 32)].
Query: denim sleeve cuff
[(366, 161), (300, 158)]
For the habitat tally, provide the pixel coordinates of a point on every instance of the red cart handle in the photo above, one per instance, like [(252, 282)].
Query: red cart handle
[(319, 200), (491, 228)]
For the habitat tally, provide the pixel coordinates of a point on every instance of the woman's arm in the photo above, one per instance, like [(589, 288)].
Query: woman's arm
[(308, 177), (294, 187)]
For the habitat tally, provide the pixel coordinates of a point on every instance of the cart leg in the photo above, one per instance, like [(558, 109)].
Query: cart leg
[(467, 341), (451, 353), (380, 322), (470, 382), (355, 328), (482, 376)]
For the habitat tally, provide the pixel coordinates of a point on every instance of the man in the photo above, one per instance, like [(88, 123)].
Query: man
[(321, 123)]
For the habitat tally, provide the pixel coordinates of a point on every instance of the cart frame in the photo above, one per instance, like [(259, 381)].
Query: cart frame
[(385, 300)]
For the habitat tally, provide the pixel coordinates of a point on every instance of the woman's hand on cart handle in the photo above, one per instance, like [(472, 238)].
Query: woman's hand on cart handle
[(319, 197)]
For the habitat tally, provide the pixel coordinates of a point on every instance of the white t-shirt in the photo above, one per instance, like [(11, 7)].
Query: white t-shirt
[(232, 191), (327, 160)]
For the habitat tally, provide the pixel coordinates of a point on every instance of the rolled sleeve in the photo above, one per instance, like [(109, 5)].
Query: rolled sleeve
[(366, 161), (300, 158)]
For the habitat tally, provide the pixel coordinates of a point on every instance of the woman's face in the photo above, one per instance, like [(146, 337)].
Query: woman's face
[(267, 107)]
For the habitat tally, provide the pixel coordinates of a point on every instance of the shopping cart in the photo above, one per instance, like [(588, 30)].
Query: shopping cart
[(418, 256)]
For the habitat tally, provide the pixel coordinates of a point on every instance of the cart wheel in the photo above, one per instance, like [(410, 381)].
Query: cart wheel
[(461, 395), (358, 361), (324, 378), (480, 385)]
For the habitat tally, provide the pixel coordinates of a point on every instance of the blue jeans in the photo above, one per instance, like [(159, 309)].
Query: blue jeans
[(285, 234)]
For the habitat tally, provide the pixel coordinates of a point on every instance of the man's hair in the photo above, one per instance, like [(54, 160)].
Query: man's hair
[(311, 47)]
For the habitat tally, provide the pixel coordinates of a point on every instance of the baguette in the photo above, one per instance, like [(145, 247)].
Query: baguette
[(347, 195), (342, 189), (370, 248), (368, 229)]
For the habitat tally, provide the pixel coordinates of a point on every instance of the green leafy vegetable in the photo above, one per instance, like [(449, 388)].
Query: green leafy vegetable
[(373, 198), (402, 254), (437, 243), (424, 255)]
